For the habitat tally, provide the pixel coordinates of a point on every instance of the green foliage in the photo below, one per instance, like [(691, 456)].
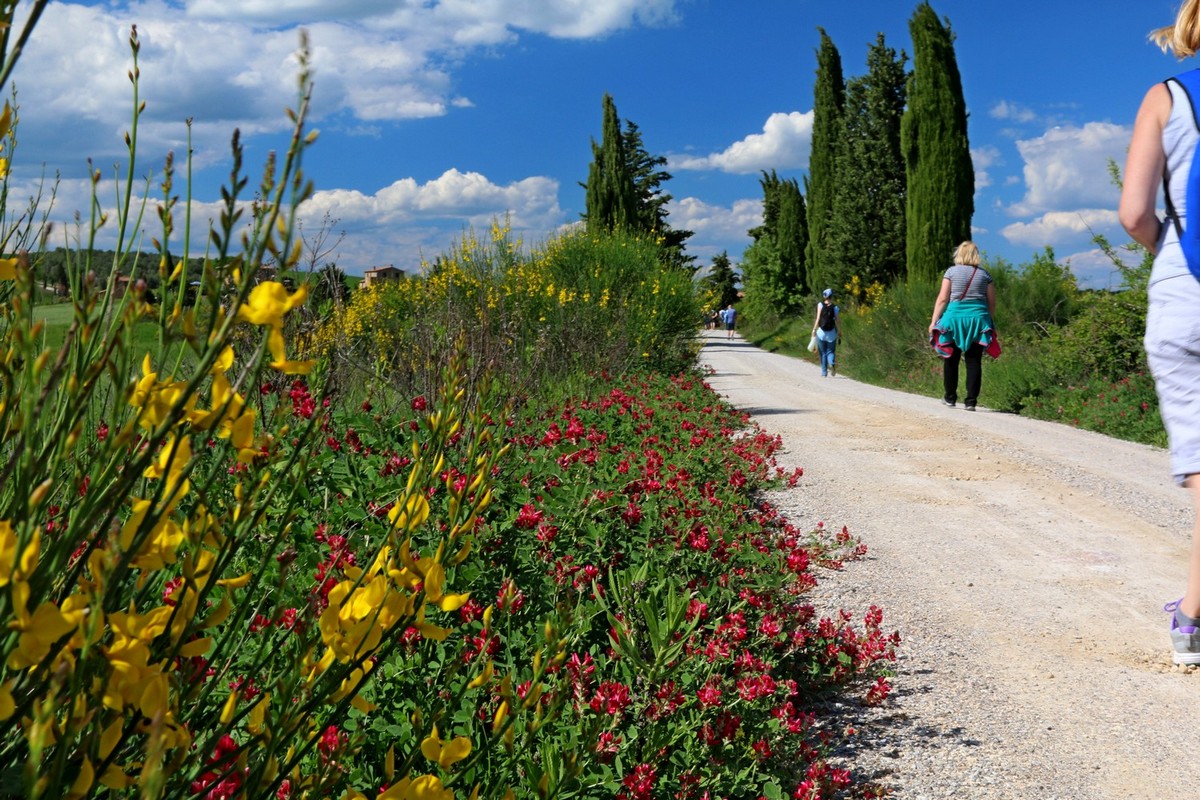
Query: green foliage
[(648, 178), (721, 282), (937, 155), (612, 196), (820, 187), (581, 304), (866, 231), (779, 265)]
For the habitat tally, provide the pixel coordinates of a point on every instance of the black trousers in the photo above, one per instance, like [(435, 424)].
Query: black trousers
[(974, 358)]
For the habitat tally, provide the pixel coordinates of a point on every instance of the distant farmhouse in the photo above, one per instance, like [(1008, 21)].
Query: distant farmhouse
[(380, 274)]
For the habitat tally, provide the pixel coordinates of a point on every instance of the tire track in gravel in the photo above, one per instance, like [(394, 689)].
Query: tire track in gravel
[(1025, 564)]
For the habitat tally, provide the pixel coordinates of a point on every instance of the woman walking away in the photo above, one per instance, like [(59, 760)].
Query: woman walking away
[(1164, 143), (962, 323), (827, 327)]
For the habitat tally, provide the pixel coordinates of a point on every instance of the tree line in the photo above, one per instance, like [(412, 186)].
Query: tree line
[(890, 184)]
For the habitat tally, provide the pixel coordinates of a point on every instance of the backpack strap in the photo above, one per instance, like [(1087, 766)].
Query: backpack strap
[(1189, 239)]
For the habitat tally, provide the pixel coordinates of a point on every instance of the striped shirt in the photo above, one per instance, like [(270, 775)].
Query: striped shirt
[(960, 274)]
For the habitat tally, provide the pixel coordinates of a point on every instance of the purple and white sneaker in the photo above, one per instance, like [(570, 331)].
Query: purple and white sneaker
[(1185, 639)]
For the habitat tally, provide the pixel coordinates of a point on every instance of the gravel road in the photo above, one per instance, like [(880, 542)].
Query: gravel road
[(1025, 565)]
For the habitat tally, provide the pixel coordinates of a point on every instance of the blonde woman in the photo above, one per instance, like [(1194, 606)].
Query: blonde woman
[(961, 326), (1164, 142)]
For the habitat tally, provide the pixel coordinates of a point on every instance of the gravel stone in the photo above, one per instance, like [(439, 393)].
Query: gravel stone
[(1025, 565)]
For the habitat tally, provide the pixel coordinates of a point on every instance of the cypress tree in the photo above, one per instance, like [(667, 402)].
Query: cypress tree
[(778, 258), (866, 234), (648, 178), (937, 155), (791, 241), (828, 102), (611, 199)]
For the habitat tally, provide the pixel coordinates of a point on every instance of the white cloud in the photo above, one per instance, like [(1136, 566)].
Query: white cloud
[(466, 22), (1056, 227), (1067, 167), (233, 65), (1011, 111), (402, 220), (982, 158), (715, 222), (1093, 269), (784, 144), (395, 225)]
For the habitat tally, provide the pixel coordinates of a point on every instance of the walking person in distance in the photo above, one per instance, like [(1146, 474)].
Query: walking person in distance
[(729, 315), (1164, 144), (827, 327), (961, 327)]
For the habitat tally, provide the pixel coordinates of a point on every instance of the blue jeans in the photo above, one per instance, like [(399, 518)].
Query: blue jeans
[(826, 349)]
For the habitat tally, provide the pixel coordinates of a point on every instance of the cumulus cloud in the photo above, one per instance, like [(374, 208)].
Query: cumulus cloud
[(784, 144), (228, 65), (1067, 167), (406, 218), (1062, 226), (716, 228)]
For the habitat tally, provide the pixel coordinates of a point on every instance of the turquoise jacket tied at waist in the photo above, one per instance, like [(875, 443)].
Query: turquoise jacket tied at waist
[(964, 323)]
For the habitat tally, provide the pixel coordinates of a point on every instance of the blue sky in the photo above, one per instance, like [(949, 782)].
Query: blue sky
[(437, 116)]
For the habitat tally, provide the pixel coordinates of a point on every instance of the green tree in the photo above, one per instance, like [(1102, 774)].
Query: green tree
[(722, 280), (829, 99), (611, 200), (866, 232), (648, 178), (937, 155), (780, 262)]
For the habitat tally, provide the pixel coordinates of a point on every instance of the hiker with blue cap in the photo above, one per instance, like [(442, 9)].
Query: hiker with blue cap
[(1162, 151), (827, 327)]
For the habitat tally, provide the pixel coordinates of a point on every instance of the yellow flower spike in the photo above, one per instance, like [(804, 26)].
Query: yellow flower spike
[(487, 618), (461, 555), (498, 720), (268, 302), (483, 678), (39, 632), (7, 706), (8, 266), (411, 515), (195, 648), (230, 708), (400, 790), (445, 754), (111, 737), (83, 782), (115, 778), (235, 583), (258, 714), (428, 787)]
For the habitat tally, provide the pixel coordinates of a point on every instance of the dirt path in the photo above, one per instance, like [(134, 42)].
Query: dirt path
[(1025, 565)]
